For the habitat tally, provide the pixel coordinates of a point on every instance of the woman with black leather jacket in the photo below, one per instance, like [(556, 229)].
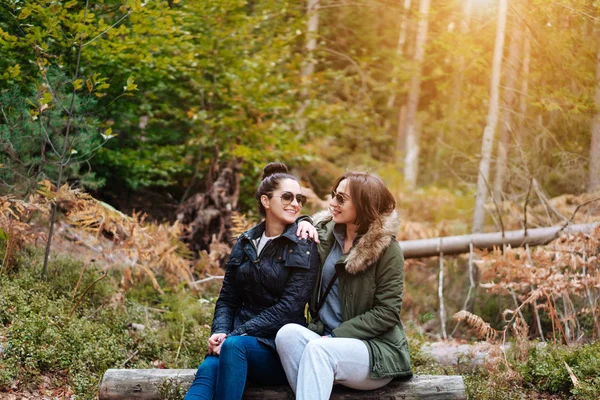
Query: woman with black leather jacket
[(268, 281)]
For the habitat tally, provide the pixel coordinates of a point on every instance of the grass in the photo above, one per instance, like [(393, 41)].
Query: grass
[(48, 336), (528, 371), (50, 339)]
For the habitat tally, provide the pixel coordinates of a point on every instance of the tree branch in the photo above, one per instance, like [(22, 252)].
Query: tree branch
[(109, 28)]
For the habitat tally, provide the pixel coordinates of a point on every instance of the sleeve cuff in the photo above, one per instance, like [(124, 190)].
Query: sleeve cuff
[(304, 218)]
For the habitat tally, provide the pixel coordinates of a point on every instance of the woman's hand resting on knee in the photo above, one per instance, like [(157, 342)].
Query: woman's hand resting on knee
[(215, 342)]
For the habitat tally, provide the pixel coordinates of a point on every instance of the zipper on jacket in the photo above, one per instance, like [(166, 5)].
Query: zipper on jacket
[(253, 245), (320, 288), (257, 260)]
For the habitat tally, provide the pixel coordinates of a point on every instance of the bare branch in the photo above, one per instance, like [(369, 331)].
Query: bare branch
[(66, 139), (85, 292), (48, 140), (575, 11), (575, 212), (525, 206), (210, 278), (54, 94)]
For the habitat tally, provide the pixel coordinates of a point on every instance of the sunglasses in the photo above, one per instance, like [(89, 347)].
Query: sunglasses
[(288, 197), (341, 198)]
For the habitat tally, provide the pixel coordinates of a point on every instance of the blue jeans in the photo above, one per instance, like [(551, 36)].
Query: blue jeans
[(242, 358)]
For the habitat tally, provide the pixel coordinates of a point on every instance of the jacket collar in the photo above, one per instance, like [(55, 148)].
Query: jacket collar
[(367, 248), (257, 231)]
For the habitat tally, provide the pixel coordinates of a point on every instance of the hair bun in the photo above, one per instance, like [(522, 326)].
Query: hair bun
[(274, 168)]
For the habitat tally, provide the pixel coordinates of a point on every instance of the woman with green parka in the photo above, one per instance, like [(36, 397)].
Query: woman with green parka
[(355, 337)]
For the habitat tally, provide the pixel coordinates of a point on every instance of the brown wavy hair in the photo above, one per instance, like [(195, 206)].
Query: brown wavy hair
[(371, 198)]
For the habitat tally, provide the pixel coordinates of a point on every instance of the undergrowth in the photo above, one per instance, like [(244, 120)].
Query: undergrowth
[(546, 370), (529, 370), (70, 331), (73, 332)]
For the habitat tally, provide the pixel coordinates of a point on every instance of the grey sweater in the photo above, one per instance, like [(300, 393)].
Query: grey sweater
[(331, 313)]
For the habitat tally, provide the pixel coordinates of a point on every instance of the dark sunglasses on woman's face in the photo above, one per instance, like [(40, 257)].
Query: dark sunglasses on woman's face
[(288, 197), (339, 197)]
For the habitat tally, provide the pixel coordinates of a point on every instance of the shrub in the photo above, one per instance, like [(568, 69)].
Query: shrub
[(43, 338), (546, 371), (482, 385)]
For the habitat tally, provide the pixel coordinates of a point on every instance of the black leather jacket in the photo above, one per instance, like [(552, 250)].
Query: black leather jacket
[(261, 294)]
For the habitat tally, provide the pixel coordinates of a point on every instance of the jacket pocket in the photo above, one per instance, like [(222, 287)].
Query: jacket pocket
[(297, 256), (390, 358)]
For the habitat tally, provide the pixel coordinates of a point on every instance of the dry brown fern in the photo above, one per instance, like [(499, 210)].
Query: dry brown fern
[(144, 248), (561, 279), (481, 328), (15, 227), (240, 224)]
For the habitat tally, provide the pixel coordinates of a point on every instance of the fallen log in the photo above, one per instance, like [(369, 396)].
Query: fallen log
[(460, 244), (122, 384)]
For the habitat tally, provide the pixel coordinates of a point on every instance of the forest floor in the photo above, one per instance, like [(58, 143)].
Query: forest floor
[(163, 345)]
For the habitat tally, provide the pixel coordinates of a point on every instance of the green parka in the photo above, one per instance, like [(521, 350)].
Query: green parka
[(371, 284)]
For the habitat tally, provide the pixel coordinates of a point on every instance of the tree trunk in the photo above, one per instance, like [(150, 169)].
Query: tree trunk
[(311, 38), (451, 245), (308, 67), (506, 126), (146, 384), (525, 76), (492, 121), (410, 132), (594, 165), (400, 139), (399, 52), (459, 75), (441, 297), (453, 113), (208, 214)]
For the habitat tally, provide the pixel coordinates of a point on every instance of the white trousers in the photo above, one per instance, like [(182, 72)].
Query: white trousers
[(313, 363)]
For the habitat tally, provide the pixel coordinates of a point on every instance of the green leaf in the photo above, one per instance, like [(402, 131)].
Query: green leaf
[(78, 84), (3, 235), (70, 4), (14, 71), (46, 98), (25, 13), (130, 85)]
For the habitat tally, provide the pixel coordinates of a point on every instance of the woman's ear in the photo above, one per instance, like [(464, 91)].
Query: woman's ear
[(265, 201)]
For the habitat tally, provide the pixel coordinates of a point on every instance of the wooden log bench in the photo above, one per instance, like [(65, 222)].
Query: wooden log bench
[(125, 384)]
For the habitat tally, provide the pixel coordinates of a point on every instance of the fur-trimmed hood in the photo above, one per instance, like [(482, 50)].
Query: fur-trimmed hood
[(370, 246)]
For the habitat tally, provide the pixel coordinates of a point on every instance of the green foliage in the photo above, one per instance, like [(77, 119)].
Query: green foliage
[(43, 339), (543, 373), (214, 74), (221, 79), (421, 362), (33, 135), (424, 318), (482, 385), (545, 369), (171, 389), (50, 127)]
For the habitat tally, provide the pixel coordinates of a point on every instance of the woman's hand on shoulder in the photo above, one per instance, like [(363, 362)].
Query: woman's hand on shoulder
[(306, 229)]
